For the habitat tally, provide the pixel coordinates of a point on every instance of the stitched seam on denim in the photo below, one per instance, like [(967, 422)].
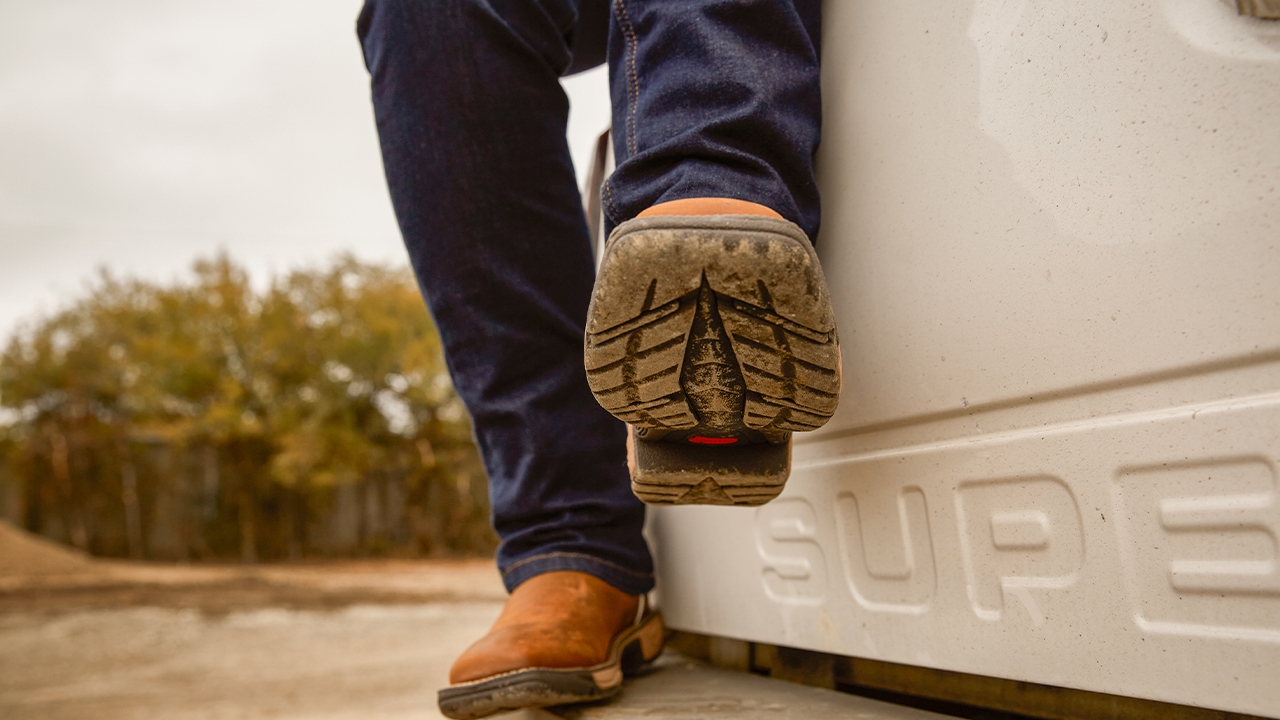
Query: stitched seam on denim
[(633, 82), (608, 199), (593, 558)]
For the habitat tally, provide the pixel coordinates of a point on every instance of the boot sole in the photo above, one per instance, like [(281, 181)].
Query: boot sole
[(714, 324), (544, 687)]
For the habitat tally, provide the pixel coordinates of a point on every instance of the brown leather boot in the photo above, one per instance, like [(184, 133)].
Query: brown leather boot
[(711, 333), (562, 637)]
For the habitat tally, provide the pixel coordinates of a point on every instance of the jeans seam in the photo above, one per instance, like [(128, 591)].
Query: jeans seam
[(633, 82), (607, 196), (593, 558)]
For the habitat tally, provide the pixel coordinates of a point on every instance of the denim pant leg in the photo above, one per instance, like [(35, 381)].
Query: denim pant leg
[(713, 98), (471, 119)]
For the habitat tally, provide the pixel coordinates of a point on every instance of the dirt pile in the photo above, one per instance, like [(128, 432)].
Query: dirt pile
[(25, 555)]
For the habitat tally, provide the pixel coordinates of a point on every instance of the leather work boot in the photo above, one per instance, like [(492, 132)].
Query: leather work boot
[(562, 637), (711, 333)]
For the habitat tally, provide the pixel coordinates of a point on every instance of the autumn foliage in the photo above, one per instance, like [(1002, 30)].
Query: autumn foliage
[(208, 419)]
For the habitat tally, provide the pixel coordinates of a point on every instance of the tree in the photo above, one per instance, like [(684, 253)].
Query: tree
[(328, 378)]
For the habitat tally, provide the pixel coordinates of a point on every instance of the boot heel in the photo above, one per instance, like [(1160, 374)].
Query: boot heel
[(665, 473)]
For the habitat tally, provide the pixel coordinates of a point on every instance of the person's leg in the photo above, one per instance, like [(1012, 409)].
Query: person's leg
[(710, 329), (713, 98), (472, 118)]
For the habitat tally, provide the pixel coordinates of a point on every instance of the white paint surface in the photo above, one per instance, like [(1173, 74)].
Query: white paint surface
[(1052, 235)]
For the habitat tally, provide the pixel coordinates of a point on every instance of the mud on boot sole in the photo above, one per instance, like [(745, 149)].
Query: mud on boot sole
[(714, 334)]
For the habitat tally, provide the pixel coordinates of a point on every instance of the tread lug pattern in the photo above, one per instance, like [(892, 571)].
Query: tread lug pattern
[(646, 377), (706, 361)]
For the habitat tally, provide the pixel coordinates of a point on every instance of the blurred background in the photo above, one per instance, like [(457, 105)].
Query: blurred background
[(212, 348)]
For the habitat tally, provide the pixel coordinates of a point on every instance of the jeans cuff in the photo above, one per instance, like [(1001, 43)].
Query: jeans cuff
[(628, 581)]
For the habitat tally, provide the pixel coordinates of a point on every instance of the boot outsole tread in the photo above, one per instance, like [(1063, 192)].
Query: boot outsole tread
[(712, 325)]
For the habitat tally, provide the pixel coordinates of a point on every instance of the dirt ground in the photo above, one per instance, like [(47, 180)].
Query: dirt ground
[(82, 638)]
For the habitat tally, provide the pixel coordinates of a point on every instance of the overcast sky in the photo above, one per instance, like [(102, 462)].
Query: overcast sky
[(142, 134)]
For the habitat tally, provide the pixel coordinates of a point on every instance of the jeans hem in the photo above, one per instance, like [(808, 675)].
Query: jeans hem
[(628, 581)]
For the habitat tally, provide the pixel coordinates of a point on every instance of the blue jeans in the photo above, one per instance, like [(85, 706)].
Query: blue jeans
[(711, 98)]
